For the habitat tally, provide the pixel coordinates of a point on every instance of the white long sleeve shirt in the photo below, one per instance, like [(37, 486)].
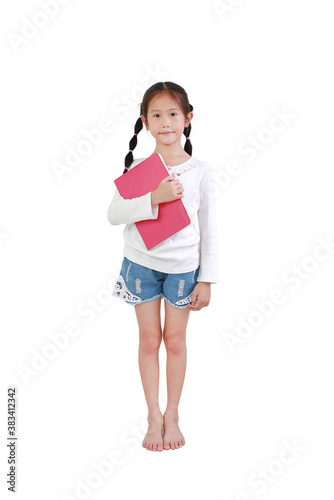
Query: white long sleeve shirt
[(195, 244)]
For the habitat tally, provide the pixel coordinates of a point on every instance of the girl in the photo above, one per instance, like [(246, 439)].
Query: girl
[(179, 269)]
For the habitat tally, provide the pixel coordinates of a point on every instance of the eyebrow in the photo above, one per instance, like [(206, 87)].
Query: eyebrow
[(153, 110)]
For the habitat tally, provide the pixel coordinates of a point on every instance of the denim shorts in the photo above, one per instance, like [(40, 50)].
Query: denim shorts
[(137, 284)]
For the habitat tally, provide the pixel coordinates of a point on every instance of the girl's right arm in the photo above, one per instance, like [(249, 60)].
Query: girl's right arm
[(122, 211)]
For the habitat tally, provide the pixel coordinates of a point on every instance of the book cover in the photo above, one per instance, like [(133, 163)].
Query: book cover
[(146, 177)]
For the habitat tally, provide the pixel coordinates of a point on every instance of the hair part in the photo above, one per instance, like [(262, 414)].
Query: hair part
[(178, 94)]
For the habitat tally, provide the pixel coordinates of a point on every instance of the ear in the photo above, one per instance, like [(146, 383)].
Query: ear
[(188, 118), (145, 122)]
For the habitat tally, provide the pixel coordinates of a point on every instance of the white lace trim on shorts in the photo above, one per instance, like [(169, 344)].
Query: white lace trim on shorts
[(122, 291), (186, 300)]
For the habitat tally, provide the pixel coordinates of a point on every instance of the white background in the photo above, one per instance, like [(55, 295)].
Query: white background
[(239, 407)]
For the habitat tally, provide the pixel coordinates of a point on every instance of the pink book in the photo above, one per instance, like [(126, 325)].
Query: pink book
[(146, 177)]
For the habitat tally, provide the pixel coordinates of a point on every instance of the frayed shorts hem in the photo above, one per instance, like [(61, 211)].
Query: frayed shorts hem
[(150, 300), (142, 301), (179, 307)]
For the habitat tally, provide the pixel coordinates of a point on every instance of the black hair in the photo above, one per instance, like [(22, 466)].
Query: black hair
[(179, 95)]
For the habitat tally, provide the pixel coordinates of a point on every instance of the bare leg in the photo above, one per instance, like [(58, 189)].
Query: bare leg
[(150, 336), (174, 337)]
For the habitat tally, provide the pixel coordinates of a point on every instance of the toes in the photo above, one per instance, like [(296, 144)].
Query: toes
[(153, 446), (173, 445)]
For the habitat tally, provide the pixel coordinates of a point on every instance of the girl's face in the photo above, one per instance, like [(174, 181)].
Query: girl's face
[(165, 120)]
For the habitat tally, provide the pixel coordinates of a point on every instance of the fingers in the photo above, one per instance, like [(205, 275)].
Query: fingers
[(196, 307), (177, 187), (176, 180), (192, 305), (199, 304)]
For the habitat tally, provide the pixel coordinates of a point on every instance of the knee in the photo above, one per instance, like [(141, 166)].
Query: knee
[(150, 341), (174, 342)]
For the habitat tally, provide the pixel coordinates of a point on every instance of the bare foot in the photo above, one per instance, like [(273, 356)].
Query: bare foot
[(153, 439), (173, 437)]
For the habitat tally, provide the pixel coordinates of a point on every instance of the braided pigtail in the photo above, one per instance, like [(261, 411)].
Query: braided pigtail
[(188, 146), (133, 143)]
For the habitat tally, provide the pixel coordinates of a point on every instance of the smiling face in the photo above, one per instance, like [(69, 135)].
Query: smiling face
[(165, 119)]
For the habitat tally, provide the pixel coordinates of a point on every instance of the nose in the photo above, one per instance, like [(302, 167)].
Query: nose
[(166, 121)]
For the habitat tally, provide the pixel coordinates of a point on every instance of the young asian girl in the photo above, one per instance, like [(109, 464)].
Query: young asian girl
[(180, 269)]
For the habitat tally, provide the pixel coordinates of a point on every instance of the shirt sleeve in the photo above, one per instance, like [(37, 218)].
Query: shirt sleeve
[(208, 224), (126, 211)]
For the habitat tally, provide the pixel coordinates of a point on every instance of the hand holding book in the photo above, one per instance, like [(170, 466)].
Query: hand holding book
[(169, 189)]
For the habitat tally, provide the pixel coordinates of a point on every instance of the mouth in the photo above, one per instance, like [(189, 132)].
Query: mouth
[(166, 133)]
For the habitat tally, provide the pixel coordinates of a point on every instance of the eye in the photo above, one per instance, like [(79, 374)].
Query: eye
[(173, 113), (157, 114)]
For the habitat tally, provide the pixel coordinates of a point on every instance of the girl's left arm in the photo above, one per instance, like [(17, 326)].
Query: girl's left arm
[(208, 224)]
